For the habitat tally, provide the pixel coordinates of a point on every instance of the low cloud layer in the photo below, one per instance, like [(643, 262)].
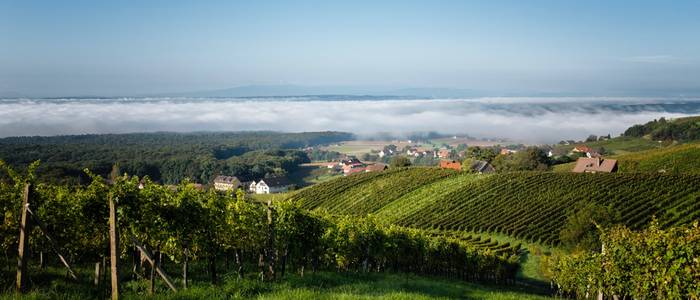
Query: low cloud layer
[(529, 120)]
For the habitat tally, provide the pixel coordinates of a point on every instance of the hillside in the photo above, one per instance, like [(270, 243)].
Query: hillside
[(684, 158), (532, 206), (618, 145), (680, 129)]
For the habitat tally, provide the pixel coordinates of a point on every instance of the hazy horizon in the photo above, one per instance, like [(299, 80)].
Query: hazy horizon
[(529, 120)]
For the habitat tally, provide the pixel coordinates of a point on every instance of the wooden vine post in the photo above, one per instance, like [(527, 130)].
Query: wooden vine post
[(152, 260), (114, 247), (24, 230), (271, 241)]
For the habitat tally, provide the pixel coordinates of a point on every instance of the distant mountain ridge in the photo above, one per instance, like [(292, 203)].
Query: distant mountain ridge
[(291, 90), (296, 90)]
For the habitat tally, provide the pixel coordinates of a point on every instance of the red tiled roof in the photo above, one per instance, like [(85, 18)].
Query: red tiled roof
[(595, 164)]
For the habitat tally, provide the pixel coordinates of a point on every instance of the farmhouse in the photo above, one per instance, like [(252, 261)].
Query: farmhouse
[(376, 167), (450, 164), (226, 183), (594, 165), (272, 185)]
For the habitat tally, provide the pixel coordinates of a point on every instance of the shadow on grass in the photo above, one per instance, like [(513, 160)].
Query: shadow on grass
[(52, 283)]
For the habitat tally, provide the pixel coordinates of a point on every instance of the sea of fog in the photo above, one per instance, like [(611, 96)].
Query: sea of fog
[(530, 120)]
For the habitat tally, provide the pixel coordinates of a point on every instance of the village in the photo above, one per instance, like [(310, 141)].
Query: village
[(476, 159)]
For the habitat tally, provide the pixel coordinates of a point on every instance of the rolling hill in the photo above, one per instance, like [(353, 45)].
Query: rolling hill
[(683, 158), (531, 205)]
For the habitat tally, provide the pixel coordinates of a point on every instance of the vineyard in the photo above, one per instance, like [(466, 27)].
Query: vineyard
[(187, 227), (357, 193), (530, 206)]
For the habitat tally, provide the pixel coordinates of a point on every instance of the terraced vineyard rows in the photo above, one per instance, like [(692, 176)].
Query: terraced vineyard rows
[(531, 206), (418, 199), (481, 243), (359, 197)]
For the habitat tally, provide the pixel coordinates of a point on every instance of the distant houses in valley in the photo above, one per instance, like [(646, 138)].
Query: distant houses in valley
[(388, 150), (588, 151), (581, 149), (226, 183), (595, 165)]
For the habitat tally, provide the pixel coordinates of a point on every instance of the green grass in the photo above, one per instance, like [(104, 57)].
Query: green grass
[(530, 260), (52, 284), (268, 197)]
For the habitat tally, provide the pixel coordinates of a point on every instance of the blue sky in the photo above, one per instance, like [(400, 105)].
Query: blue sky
[(58, 48)]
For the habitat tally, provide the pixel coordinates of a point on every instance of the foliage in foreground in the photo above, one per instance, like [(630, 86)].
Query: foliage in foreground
[(652, 263), (204, 226)]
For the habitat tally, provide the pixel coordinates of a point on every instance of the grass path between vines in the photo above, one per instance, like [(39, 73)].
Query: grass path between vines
[(52, 284)]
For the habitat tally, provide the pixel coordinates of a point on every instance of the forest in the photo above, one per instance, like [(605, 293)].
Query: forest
[(681, 129), (165, 157)]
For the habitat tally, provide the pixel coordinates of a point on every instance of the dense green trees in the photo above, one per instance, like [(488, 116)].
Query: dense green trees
[(581, 228), (164, 157), (682, 129), (530, 159), (400, 161), (482, 153)]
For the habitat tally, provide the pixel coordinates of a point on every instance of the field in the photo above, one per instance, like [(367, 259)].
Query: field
[(530, 206)]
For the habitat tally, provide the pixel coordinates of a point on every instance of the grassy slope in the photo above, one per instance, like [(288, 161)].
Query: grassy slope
[(52, 284), (684, 158)]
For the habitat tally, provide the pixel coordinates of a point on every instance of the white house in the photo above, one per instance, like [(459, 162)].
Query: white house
[(249, 186), (272, 185)]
